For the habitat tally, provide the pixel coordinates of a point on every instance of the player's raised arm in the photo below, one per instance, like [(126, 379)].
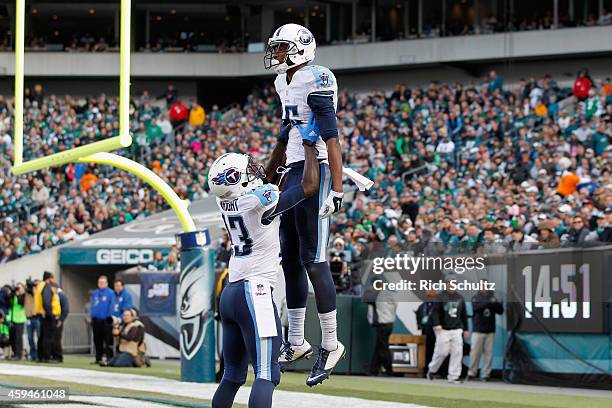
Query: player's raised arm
[(324, 114), (310, 184), (277, 159)]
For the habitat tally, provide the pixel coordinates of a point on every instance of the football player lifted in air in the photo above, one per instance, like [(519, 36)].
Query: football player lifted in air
[(309, 98), (251, 326)]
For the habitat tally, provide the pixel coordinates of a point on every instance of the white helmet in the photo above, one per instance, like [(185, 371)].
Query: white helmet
[(298, 43), (233, 175)]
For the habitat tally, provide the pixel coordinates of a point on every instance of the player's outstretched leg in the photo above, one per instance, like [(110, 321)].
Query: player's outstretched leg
[(331, 350), (296, 287)]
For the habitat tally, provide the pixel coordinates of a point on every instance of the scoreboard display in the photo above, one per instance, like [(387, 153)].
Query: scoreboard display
[(563, 291)]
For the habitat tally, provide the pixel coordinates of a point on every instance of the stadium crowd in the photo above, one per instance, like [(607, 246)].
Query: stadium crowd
[(476, 166), (232, 41)]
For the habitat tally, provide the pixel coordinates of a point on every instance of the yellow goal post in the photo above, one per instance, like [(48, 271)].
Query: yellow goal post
[(97, 152)]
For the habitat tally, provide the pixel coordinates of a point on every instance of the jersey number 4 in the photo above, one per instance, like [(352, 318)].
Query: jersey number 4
[(239, 235)]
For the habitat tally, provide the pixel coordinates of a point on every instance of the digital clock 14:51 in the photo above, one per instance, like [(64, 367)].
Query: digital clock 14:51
[(570, 288)]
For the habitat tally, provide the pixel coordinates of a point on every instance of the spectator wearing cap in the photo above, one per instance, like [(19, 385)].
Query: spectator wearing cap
[(547, 237)]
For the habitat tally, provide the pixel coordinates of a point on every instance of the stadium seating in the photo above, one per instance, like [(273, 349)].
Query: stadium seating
[(486, 157)]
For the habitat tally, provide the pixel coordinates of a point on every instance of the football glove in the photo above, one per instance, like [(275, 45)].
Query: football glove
[(309, 131), (332, 204)]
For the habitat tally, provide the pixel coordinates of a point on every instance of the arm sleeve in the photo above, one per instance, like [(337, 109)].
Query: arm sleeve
[(287, 200), (464, 319), (322, 106)]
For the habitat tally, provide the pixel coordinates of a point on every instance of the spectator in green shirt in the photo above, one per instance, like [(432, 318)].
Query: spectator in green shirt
[(154, 133)]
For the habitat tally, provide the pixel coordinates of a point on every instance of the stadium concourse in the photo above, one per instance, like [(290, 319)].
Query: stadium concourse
[(449, 160)]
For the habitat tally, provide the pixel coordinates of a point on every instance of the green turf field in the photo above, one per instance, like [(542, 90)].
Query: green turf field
[(436, 394)]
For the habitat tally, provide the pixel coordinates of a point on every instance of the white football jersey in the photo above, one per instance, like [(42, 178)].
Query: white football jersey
[(294, 98), (255, 244)]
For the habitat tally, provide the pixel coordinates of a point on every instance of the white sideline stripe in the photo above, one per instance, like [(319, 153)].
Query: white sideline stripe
[(91, 401), (282, 399)]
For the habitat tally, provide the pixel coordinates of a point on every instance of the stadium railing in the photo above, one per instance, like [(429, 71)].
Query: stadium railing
[(77, 334)]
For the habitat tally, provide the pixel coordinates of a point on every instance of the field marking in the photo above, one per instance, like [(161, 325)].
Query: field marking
[(282, 399), (93, 401)]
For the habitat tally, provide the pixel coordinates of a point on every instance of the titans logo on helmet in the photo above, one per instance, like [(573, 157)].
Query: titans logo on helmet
[(304, 36), (229, 177)]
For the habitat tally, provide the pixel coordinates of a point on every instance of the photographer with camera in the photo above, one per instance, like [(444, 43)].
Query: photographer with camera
[(17, 318), (131, 343), (102, 320)]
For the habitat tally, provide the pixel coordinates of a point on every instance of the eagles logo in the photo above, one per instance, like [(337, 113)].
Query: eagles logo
[(228, 177), (304, 36)]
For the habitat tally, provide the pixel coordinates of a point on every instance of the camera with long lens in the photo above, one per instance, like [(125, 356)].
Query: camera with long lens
[(30, 285), (114, 321)]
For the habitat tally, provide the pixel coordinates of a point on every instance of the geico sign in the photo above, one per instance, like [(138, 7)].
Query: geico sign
[(124, 256)]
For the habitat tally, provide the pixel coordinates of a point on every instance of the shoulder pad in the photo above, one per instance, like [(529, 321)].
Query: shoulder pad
[(267, 194), (322, 77)]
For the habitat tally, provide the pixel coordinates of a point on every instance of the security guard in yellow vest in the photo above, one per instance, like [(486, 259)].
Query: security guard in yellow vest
[(47, 306)]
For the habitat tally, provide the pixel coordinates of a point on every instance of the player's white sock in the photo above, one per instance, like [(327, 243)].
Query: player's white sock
[(329, 335), (296, 325)]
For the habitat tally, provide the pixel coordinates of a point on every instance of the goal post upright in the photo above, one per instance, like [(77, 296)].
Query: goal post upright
[(196, 317), (124, 138)]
